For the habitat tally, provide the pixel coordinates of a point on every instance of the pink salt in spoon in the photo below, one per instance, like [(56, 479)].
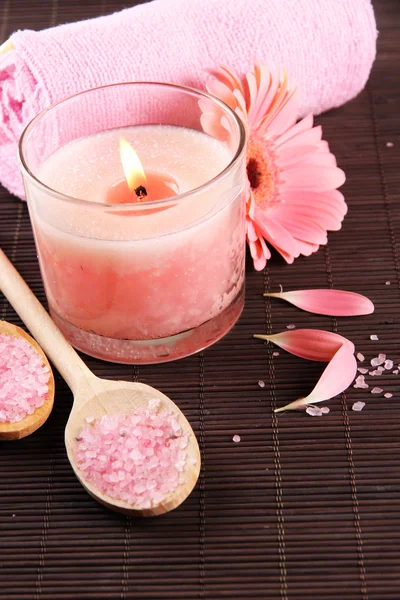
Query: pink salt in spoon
[(95, 398)]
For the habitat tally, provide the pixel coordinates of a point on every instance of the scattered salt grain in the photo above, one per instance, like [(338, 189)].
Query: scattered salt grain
[(388, 365), (141, 467), (291, 326), (314, 411), (387, 282), (388, 395), (362, 370), (376, 390), (236, 439), (375, 372), (389, 144), (358, 406), (261, 383), (361, 383), (89, 420), (396, 372), (275, 354), (325, 410), (23, 379), (360, 357), (373, 337), (378, 360)]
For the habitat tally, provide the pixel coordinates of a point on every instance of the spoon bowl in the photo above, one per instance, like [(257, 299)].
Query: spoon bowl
[(30, 423), (93, 397), (99, 397)]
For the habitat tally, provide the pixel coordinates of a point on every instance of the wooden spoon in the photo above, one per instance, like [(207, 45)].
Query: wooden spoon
[(20, 429), (94, 397)]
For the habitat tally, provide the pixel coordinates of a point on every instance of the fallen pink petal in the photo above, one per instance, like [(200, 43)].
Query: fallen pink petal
[(357, 406), (334, 303), (336, 378), (311, 344)]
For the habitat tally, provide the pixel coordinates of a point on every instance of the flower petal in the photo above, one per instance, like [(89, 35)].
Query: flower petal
[(336, 378), (311, 344), (334, 303)]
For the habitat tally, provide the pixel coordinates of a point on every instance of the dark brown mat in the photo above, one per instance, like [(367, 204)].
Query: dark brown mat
[(302, 508)]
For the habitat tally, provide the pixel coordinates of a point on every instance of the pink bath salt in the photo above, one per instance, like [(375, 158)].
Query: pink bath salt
[(362, 370), (261, 383), (275, 354), (325, 410), (388, 395), (314, 411), (396, 372), (138, 457), (376, 390), (388, 365), (236, 439), (360, 357), (389, 144), (361, 383), (291, 326), (387, 282), (357, 406), (373, 337), (378, 360), (24, 379)]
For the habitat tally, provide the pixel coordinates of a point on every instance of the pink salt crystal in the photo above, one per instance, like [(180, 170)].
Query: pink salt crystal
[(358, 406), (291, 326), (261, 383), (388, 395), (138, 457), (396, 372), (362, 370), (236, 439), (275, 354), (360, 383), (388, 365), (387, 282), (373, 337), (314, 411), (325, 410), (378, 360), (23, 379), (360, 357), (382, 355), (376, 390), (389, 144)]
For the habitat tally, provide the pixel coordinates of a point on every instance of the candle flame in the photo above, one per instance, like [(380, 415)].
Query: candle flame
[(133, 169)]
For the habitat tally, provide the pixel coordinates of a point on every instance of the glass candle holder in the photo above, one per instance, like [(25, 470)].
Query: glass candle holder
[(141, 266)]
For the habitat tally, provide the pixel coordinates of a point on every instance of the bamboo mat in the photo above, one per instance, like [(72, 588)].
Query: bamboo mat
[(302, 507)]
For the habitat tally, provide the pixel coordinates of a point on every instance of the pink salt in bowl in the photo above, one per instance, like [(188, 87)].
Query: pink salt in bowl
[(26, 384)]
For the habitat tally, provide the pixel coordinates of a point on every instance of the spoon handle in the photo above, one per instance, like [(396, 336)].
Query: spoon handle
[(40, 324)]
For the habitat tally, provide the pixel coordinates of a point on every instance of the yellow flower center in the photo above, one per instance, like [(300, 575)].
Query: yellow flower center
[(263, 171)]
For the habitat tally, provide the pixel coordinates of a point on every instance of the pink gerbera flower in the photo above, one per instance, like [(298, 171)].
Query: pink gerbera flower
[(292, 198)]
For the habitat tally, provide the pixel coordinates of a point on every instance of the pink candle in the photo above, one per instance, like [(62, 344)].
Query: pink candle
[(128, 278)]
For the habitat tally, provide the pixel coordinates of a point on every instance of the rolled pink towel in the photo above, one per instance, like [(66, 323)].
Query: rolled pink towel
[(328, 46)]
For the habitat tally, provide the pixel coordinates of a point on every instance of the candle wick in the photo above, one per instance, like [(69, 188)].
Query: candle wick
[(141, 191)]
